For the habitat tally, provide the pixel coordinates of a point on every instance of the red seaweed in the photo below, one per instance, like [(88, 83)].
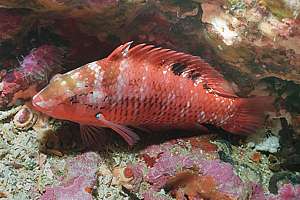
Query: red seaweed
[(34, 72)]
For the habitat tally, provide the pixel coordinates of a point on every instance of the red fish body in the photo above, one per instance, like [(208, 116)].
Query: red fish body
[(148, 87)]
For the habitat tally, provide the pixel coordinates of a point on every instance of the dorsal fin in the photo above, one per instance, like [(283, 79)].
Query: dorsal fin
[(182, 64), (120, 51)]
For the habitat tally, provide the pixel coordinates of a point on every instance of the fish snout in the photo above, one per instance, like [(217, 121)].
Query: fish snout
[(39, 103)]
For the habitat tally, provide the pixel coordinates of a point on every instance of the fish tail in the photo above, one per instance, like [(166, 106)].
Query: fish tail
[(251, 115)]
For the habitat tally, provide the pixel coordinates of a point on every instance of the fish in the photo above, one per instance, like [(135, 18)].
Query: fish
[(150, 88)]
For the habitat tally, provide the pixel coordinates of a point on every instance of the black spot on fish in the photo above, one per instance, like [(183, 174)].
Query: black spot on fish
[(195, 75), (178, 68), (73, 99)]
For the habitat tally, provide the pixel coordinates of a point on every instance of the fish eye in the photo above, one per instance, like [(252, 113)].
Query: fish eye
[(98, 115), (56, 76)]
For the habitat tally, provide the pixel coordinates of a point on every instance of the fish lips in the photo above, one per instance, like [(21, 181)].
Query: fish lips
[(42, 105)]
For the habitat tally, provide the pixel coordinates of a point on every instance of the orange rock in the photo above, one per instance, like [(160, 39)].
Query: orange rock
[(194, 185), (256, 157), (203, 143), (128, 173), (3, 195), (88, 189)]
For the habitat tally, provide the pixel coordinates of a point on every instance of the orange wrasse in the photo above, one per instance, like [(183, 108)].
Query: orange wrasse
[(152, 88)]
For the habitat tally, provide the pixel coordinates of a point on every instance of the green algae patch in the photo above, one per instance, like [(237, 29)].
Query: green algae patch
[(278, 8)]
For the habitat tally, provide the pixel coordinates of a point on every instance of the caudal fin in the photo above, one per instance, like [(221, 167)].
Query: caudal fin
[(251, 115)]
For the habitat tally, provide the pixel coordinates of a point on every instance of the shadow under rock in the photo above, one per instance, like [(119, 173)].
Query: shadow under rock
[(69, 138)]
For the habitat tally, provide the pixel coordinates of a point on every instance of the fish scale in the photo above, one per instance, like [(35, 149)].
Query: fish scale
[(149, 87), (172, 114)]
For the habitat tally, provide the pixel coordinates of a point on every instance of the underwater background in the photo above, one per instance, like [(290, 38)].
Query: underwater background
[(254, 44)]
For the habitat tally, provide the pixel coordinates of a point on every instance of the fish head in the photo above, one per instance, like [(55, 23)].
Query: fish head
[(59, 98)]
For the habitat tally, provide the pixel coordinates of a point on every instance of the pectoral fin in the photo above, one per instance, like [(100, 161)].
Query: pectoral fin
[(93, 137), (128, 135)]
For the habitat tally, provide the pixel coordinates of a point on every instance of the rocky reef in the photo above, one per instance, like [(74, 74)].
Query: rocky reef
[(254, 44)]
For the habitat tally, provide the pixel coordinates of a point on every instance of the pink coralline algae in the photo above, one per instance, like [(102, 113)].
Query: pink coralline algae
[(150, 195), (224, 176), (34, 72), (84, 164), (287, 192), (79, 180), (191, 173), (75, 189), (174, 162), (137, 175), (257, 192), (168, 165)]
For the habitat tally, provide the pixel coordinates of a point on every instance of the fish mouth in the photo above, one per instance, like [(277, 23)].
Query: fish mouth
[(39, 103), (36, 101)]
